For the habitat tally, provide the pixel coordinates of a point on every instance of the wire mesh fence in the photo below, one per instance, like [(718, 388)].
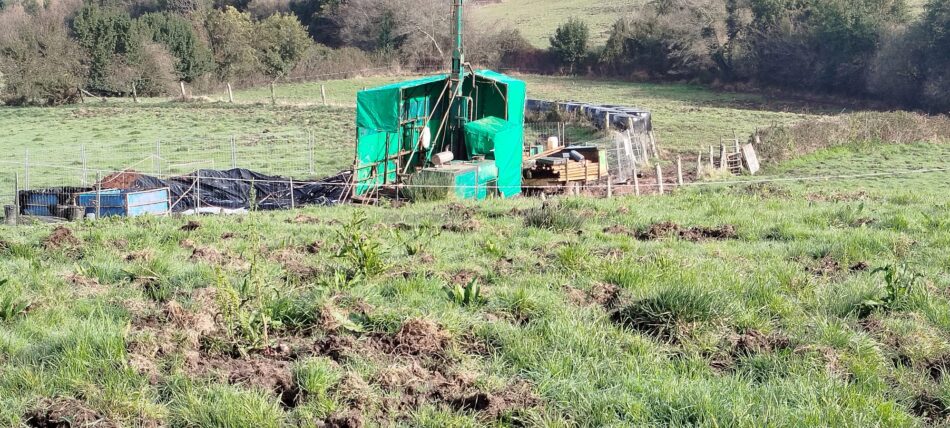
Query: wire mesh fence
[(295, 153)]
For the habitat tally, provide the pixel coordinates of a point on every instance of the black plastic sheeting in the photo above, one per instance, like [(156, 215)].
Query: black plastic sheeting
[(231, 189), (620, 117)]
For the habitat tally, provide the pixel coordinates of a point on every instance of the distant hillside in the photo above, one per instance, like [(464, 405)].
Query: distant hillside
[(537, 19)]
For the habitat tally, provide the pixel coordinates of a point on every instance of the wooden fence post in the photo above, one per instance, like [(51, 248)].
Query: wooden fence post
[(230, 94), (610, 187), (181, 83), (679, 171), (699, 165), (273, 94), (135, 94), (323, 94), (659, 177), (723, 164)]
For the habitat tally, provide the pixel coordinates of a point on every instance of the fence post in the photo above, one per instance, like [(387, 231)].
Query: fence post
[(98, 195), (656, 153), (26, 169), (273, 95), (198, 191), (16, 196), (82, 158), (610, 187), (679, 171), (723, 164), (292, 204), (659, 178), (636, 181), (323, 94), (230, 94), (699, 165), (712, 162), (310, 152), (135, 95), (233, 153), (158, 158), (181, 83)]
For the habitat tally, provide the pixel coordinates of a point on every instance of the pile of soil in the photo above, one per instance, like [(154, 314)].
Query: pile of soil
[(120, 180), (61, 237), (669, 229)]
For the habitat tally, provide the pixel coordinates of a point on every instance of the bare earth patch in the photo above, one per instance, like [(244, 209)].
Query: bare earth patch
[(65, 412)]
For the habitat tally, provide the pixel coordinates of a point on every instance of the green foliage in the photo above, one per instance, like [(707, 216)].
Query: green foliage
[(113, 42), (553, 217), (569, 42), (465, 295), (281, 42), (662, 315), (417, 239), (247, 311), (225, 406), (899, 282), (12, 304), (231, 35), (178, 35), (361, 253)]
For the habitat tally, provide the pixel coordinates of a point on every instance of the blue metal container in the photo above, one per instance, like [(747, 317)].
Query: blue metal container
[(115, 202)]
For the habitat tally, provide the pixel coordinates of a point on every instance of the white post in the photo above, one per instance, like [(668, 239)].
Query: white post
[(82, 157), (233, 153), (230, 94), (158, 157), (292, 203), (679, 171), (181, 83), (26, 170), (323, 94), (659, 178), (310, 152)]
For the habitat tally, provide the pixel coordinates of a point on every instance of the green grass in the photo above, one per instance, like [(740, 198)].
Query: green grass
[(537, 19), (578, 323), (669, 356)]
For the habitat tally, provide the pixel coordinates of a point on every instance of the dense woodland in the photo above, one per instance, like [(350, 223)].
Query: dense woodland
[(874, 49)]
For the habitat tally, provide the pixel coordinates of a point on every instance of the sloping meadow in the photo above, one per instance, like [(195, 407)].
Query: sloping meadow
[(744, 305)]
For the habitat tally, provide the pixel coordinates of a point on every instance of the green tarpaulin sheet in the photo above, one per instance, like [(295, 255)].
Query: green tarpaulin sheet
[(502, 141)]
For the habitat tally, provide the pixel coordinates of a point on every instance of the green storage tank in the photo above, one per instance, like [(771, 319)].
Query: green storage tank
[(468, 180)]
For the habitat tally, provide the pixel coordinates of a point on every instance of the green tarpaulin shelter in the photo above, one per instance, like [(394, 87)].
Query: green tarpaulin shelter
[(503, 142), (395, 121)]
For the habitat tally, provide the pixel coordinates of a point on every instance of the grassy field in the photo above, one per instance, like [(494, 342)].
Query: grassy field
[(762, 301), (728, 305), (537, 19), (274, 139)]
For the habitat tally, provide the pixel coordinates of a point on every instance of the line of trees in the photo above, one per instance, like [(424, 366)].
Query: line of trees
[(50, 48), (865, 48), (870, 48)]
